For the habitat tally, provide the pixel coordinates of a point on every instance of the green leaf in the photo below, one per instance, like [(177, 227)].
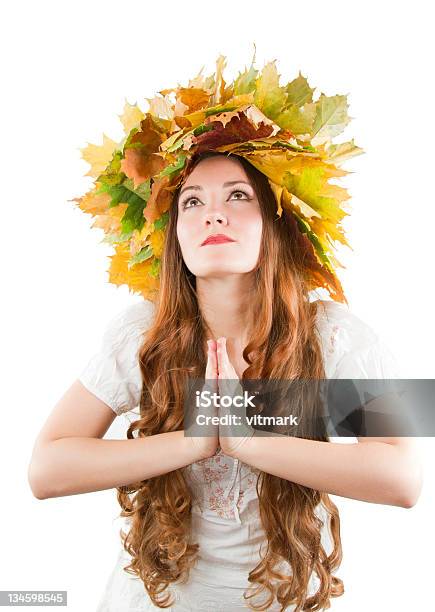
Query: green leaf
[(117, 238), (200, 129), (155, 268), (219, 108), (133, 217), (174, 168), (178, 143), (308, 186), (305, 229), (245, 82), (162, 221), (132, 145), (113, 175), (143, 190), (145, 253), (299, 92), (269, 96), (331, 118), (135, 199), (297, 120)]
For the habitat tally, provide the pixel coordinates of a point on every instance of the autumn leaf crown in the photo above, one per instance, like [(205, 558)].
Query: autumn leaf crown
[(279, 129)]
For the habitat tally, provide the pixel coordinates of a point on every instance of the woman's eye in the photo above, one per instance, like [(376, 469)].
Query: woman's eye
[(186, 202), (189, 200), (238, 191)]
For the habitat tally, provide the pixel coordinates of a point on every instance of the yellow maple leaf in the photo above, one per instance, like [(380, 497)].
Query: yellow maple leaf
[(92, 202), (132, 115), (110, 220), (157, 241), (137, 277), (277, 191), (140, 238), (269, 96), (98, 156)]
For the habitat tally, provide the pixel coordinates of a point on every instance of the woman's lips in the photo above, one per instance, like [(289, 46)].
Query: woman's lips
[(218, 239)]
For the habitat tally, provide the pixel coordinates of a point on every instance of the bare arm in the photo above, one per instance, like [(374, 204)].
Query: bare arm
[(69, 456), (382, 470)]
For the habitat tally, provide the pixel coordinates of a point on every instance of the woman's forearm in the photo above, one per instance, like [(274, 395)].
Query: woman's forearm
[(372, 471), (68, 466)]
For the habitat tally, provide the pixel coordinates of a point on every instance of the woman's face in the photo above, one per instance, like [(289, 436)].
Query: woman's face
[(218, 198)]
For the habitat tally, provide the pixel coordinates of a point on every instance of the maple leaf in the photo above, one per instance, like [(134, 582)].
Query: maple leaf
[(157, 241), (110, 222), (140, 165), (331, 118), (93, 202), (238, 129), (317, 266), (159, 200), (245, 81), (170, 143), (302, 207), (161, 107), (131, 116), (269, 96), (298, 120), (138, 277), (252, 114), (310, 185), (113, 175), (145, 253), (136, 200), (298, 92), (277, 191), (139, 238), (198, 117), (141, 159), (273, 162), (219, 83), (338, 153), (98, 156), (193, 98)]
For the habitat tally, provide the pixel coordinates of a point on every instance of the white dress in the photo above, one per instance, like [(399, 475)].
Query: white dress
[(225, 518)]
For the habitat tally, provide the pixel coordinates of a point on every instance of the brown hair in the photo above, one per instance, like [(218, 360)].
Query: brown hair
[(284, 344)]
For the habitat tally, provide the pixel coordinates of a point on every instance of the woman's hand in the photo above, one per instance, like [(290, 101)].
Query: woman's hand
[(207, 445), (229, 384)]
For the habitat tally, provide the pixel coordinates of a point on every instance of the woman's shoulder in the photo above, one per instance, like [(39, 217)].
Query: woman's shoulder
[(341, 332), (336, 317), (113, 373), (352, 347), (130, 321)]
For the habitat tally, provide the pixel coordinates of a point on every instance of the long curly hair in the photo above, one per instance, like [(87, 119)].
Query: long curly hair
[(284, 344)]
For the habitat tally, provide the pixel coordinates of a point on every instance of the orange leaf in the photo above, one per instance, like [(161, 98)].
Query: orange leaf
[(140, 165), (159, 200)]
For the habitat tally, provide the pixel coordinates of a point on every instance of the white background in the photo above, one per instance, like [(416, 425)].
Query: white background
[(66, 70)]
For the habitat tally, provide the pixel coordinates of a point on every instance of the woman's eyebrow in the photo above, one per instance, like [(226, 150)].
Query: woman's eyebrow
[(227, 184)]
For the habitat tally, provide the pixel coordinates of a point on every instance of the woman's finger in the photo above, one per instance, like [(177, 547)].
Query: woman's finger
[(211, 367), (222, 357)]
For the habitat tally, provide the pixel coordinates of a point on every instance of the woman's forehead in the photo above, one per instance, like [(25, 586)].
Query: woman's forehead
[(216, 169)]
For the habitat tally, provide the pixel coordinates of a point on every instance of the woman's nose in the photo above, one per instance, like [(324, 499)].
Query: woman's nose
[(216, 217)]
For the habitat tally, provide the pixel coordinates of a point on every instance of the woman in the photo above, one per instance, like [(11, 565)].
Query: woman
[(228, 508)]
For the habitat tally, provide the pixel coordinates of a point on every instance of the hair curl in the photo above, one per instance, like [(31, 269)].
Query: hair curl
[(284, 344)]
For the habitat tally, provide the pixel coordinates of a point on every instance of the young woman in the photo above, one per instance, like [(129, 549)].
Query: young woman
[(213, 518)]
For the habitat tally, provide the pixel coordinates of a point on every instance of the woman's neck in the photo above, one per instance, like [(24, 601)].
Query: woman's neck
[(226, 306)]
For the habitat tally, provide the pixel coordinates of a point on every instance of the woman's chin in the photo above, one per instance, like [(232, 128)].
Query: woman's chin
[(221, 271)]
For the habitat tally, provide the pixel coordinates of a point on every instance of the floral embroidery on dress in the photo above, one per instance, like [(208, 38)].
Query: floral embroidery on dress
[(332, 339), (223, 506), (217, 481)]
